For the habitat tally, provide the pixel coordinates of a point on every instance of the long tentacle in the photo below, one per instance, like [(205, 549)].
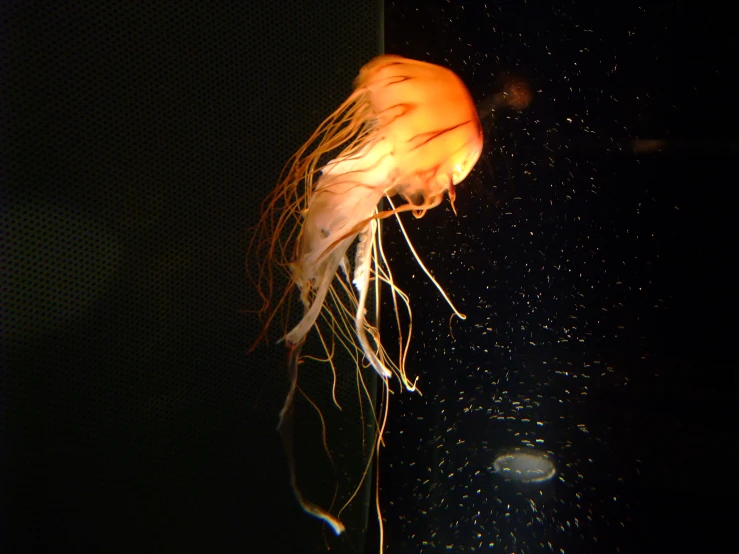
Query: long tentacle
[(286, 429)]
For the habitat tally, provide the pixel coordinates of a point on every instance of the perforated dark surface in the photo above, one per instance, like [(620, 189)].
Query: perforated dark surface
[(138, 142)]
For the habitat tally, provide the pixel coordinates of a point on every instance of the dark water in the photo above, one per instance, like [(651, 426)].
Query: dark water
[(596, 283)]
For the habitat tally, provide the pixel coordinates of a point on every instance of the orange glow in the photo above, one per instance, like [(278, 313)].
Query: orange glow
[(517, 92)]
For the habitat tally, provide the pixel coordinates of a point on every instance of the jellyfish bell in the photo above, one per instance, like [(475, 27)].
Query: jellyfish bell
[(427, 117), (410, 130)]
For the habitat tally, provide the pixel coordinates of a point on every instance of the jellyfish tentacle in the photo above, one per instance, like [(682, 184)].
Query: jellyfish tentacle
[(285, 428), (423, 267)]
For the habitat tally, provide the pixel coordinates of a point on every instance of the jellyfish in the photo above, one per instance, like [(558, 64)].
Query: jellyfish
[(408, 133), (515, 92), (525, 466)]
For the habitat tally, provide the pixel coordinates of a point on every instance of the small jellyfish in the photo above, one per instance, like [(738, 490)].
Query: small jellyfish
[(512, 91), (525, 466), (516, 92)]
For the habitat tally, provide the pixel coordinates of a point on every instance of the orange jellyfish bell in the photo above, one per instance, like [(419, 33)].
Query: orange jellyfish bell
[(409, 129), (425, 117)]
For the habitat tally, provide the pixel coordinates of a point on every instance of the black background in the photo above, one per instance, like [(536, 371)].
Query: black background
[(139, 140)]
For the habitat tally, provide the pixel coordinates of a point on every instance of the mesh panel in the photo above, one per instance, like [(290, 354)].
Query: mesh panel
[(139, 141)]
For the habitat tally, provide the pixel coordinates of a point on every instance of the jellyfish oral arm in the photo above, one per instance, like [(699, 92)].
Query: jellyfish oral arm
[(363, 263), (314, 306), (345, 195)]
